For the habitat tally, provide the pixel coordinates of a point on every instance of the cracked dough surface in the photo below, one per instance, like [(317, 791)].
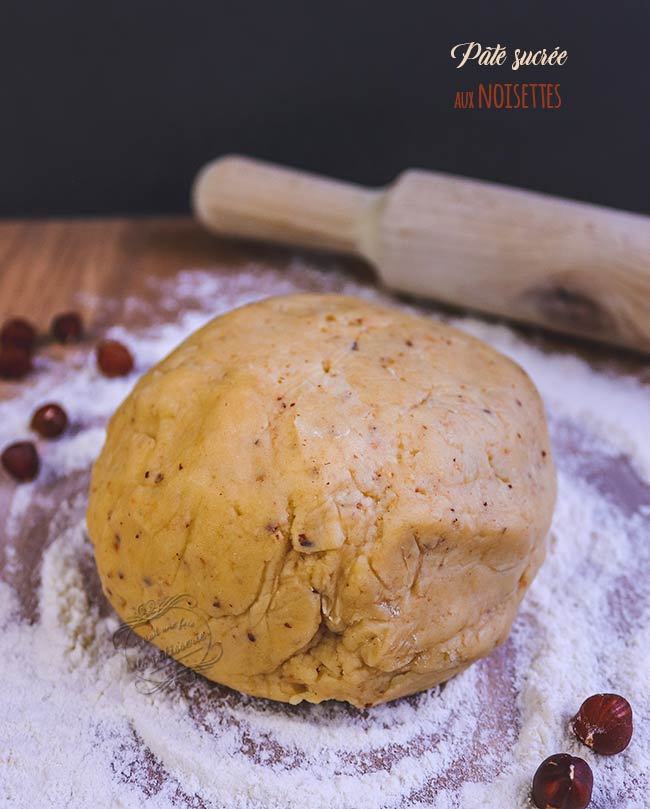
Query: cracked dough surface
[(356, 498)]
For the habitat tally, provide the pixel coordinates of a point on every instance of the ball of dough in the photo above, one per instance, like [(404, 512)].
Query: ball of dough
[(355, 498)]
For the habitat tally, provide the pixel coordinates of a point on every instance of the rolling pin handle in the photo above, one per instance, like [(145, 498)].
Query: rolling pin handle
[(246, 198)]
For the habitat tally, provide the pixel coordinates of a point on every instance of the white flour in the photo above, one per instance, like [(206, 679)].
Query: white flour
[(77, 733)]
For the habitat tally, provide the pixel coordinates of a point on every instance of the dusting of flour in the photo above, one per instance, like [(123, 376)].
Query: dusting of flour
[(76, 732)]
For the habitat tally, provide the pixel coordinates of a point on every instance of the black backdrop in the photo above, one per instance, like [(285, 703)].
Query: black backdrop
[(112, 107)]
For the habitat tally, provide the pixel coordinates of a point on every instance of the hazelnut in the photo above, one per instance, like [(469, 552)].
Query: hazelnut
[(604, 723), (15, 362), (562, 782), (49, 421), (67, 327), (114, 358), (21, 461), (18, 333)]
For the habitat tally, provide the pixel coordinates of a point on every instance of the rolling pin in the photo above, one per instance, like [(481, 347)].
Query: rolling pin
[(568, 266)]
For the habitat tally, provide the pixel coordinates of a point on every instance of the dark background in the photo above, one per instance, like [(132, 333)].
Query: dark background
[(112, 107)]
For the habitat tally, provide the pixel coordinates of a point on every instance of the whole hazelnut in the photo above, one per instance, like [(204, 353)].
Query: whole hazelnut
[(604, 723), (18, 333), (49, 421), (114, 358), (21, 461), (562, 782), (67, 328), (15, 362)]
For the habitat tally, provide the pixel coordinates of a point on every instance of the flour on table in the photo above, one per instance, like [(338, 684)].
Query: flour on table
[(77, 732)]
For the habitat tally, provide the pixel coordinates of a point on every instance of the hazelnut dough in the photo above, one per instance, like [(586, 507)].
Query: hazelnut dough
[(357, 497)]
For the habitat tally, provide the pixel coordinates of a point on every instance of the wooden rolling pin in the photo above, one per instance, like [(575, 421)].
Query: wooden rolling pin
[(568, 266)]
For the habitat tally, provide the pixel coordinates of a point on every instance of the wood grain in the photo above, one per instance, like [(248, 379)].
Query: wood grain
[(49, 266), (570, 267)]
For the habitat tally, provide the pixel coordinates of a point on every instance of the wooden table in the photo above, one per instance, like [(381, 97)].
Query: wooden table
[(49, 267), (44, 265)]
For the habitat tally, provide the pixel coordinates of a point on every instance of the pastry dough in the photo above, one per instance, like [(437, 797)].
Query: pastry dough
[(356, 498)]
